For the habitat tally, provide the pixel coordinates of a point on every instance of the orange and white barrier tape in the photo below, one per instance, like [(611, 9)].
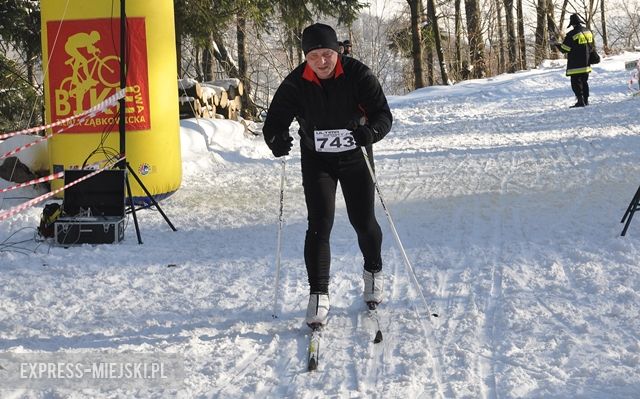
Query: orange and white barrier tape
[(107, 103), (12, 211), (24, 147), (34, 181)]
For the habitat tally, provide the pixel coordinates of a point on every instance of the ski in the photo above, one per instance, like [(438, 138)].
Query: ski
[(314, 347), (316, 334), (372, 312)]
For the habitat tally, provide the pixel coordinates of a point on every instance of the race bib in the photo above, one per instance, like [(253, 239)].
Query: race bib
[(338, 140)]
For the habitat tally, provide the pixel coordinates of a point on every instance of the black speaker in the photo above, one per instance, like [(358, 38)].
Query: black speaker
[(100, 195)]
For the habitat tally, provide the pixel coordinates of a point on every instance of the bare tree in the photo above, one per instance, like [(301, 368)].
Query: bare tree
[(501, 44), (552, 29), (476, 42), (512, 64), (249, 110), (429, 39), (563, 12), (370, 37), (522, 48), (624, 31), (603, 19), (458, 39), (415, 6), (435, 26), (540, 52), (590, 7)]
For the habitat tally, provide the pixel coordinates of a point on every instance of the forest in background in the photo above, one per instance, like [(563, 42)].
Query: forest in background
[(258, 42)]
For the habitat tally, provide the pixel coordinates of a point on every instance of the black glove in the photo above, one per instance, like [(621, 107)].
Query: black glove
[(280, 146), (363, 136)]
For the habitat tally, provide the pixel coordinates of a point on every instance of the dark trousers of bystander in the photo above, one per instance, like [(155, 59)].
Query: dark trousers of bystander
[(580, 87)]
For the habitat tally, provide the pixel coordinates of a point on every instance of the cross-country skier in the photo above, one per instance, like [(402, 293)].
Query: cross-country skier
[(330, 96), (578, 44)]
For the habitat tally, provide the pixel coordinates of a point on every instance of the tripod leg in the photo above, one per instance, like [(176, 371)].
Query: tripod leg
[(133, 208), (632, 205), (626, 225), (153, 200)]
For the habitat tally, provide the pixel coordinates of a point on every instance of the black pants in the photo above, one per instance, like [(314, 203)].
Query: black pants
[(580, 87), (320, 176)]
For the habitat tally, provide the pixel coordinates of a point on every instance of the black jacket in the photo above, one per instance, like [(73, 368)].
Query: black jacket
[(327, 104), (577, 45)]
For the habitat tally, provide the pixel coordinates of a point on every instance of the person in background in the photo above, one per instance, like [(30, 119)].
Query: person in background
[(340, 108), (340, 48), (578, 44), (347, 48)]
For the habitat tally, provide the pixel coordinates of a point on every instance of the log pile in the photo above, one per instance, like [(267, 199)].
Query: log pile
[(214, 99)]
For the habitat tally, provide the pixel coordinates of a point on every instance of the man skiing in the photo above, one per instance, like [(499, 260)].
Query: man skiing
[(340, 107), (578, 44)]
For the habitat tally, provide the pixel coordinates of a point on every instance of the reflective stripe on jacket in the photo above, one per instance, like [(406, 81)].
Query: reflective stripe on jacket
[(577, 45)]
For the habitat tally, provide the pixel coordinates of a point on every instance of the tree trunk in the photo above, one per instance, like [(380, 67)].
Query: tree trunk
[(563, 11), (416, 43), (197, 63), (512, 65), (605, 40), (541, 32), (222, 56), (521, 42), (438, 42), (458, 32), (428, 22), (554, 32), (207, 62), (429, 65), (501, 57), (476, 43), (248, 108), (590, 12)]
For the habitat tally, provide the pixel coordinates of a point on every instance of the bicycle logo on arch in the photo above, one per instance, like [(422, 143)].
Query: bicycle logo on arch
[(88, 68)]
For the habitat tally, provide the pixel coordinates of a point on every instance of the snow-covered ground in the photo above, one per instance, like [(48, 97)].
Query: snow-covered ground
[(508, 204)]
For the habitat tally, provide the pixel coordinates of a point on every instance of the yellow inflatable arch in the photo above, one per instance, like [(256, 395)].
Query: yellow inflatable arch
[(81, 58)]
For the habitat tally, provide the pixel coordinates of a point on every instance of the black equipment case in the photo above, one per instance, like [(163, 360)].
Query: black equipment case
[(93, 210), (101, 230)]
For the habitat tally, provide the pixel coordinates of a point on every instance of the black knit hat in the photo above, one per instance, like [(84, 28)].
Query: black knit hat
[(574, 20), (319, 36)]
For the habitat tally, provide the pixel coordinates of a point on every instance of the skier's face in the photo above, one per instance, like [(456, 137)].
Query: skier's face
[(323, 62)]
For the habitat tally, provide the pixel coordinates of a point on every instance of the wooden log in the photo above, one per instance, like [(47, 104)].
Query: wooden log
[(227, 84), (233, 92), (210, 95), (218, 93), (189, 87), (232, 111), (209, 111), (188, 107), (224, 99)]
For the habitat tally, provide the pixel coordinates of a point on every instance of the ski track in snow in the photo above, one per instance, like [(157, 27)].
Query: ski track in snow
[(507, 203)]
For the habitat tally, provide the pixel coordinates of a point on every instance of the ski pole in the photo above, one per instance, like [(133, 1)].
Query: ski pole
[(283, 163), (412, 273)]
